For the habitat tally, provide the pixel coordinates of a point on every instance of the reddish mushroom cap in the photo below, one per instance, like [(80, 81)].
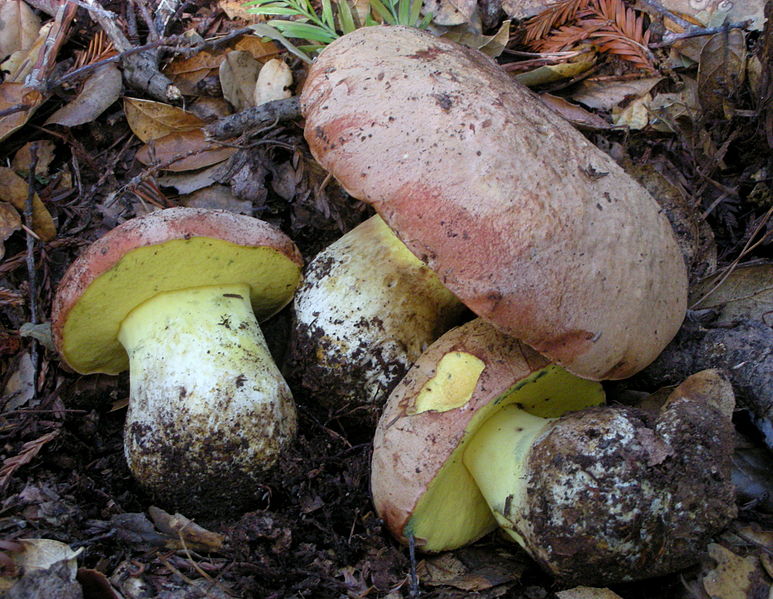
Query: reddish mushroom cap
[(527, 222), (165, 251)]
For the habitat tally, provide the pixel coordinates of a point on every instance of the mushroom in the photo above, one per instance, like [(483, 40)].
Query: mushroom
[(524, 220), (483, 431), (366, 310), (175, 296)]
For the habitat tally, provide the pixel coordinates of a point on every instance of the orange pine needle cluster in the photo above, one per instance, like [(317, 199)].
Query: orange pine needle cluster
[(610, 24)]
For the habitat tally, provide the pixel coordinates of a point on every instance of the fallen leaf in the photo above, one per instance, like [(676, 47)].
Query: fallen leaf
[(184, 151), (14, 189), (635, 115), (747, 292), (41, 332), (20, 103), (274, 81), (260, 50), (556, 72), (10, 221), (668, 109), (605, 95), (721, 71), (238, 76), (587, 593), (210, 109), (449, 12), (490, 45), (732, 576), (20, 388), (188, 182), (217, 197), (44, 155), (19, 26), (577, 115), (99, 91), (41, 554), (151, 120), (21, 62), (470, 569), (720, 11), (237, 9)]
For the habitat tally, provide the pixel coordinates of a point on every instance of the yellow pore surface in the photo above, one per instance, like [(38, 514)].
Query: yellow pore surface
[(453, 512), (456, 377), (90, 335)]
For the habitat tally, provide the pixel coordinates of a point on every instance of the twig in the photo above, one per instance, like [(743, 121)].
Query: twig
[(31, 272), (257, 116), (695, 31), (140, 69), (415, 592)]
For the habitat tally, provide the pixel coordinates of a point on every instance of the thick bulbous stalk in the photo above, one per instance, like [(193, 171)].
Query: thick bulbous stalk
[(209, 409)]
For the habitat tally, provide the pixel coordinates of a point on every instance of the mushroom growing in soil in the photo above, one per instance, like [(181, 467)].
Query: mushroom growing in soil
[(523, 219), (483, 431), (366, 310), (175, 296)]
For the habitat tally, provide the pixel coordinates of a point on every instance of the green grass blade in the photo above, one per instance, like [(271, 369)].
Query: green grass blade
[(382, 11), (327, 13), (415, 12), (403, 11), (265, 30), (304, 31), (345, 17)]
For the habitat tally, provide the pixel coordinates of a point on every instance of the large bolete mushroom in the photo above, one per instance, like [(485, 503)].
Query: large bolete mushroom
[(524, 220), (175, 296), (366, 310), (483, 431)]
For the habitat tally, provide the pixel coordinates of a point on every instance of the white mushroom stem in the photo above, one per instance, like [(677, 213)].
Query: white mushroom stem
[(496, 457), (207, 399)]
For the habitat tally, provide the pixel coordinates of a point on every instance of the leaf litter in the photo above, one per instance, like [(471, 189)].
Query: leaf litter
[(701, 117)]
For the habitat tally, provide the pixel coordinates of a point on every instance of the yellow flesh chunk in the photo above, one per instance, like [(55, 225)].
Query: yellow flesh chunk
[(91, 331), (453, 511), (496, 456), (452, 386)]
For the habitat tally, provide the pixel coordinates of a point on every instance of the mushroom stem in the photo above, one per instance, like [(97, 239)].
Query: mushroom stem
[(497, 456), (204, 390)]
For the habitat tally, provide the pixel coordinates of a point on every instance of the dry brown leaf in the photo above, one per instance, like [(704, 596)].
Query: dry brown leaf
[(188, 182), (217, 197), (587, 593), (237, 9), (20, 103), (238, 75), (490, 45), (260, 50), (557, 72), (274, 81), (449, 12), (634, 115), (721, 71), (14, 189), (99, 91), (577, 115), (604, 95), (747, 292), (150, 120), (19, 26), (10, 222), (469, 570), (44, 155), (184, 151), (720, 11), (732, 576)]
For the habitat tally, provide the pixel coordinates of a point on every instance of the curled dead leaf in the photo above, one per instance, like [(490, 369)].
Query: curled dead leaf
[(14, 189), (183, 151), (99, 91), (151, 120), (238, 75)]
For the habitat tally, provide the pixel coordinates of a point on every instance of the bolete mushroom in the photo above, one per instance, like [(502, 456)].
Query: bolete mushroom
[(523, 219), (175, 296), (366, 310), (474, 437)]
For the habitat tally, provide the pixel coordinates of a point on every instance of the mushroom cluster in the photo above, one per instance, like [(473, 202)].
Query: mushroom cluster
[(576, 276), (175, 297)]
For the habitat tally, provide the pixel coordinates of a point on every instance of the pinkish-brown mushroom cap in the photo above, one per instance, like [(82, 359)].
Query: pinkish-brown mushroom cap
[(412, 445), (165, 251), (527, 222)]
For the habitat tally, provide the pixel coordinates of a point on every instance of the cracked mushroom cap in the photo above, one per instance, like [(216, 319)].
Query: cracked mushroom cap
[(420, 486), (167, 250), (528, 223)]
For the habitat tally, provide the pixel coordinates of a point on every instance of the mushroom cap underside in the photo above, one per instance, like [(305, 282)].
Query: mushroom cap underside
[(167, 250)]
